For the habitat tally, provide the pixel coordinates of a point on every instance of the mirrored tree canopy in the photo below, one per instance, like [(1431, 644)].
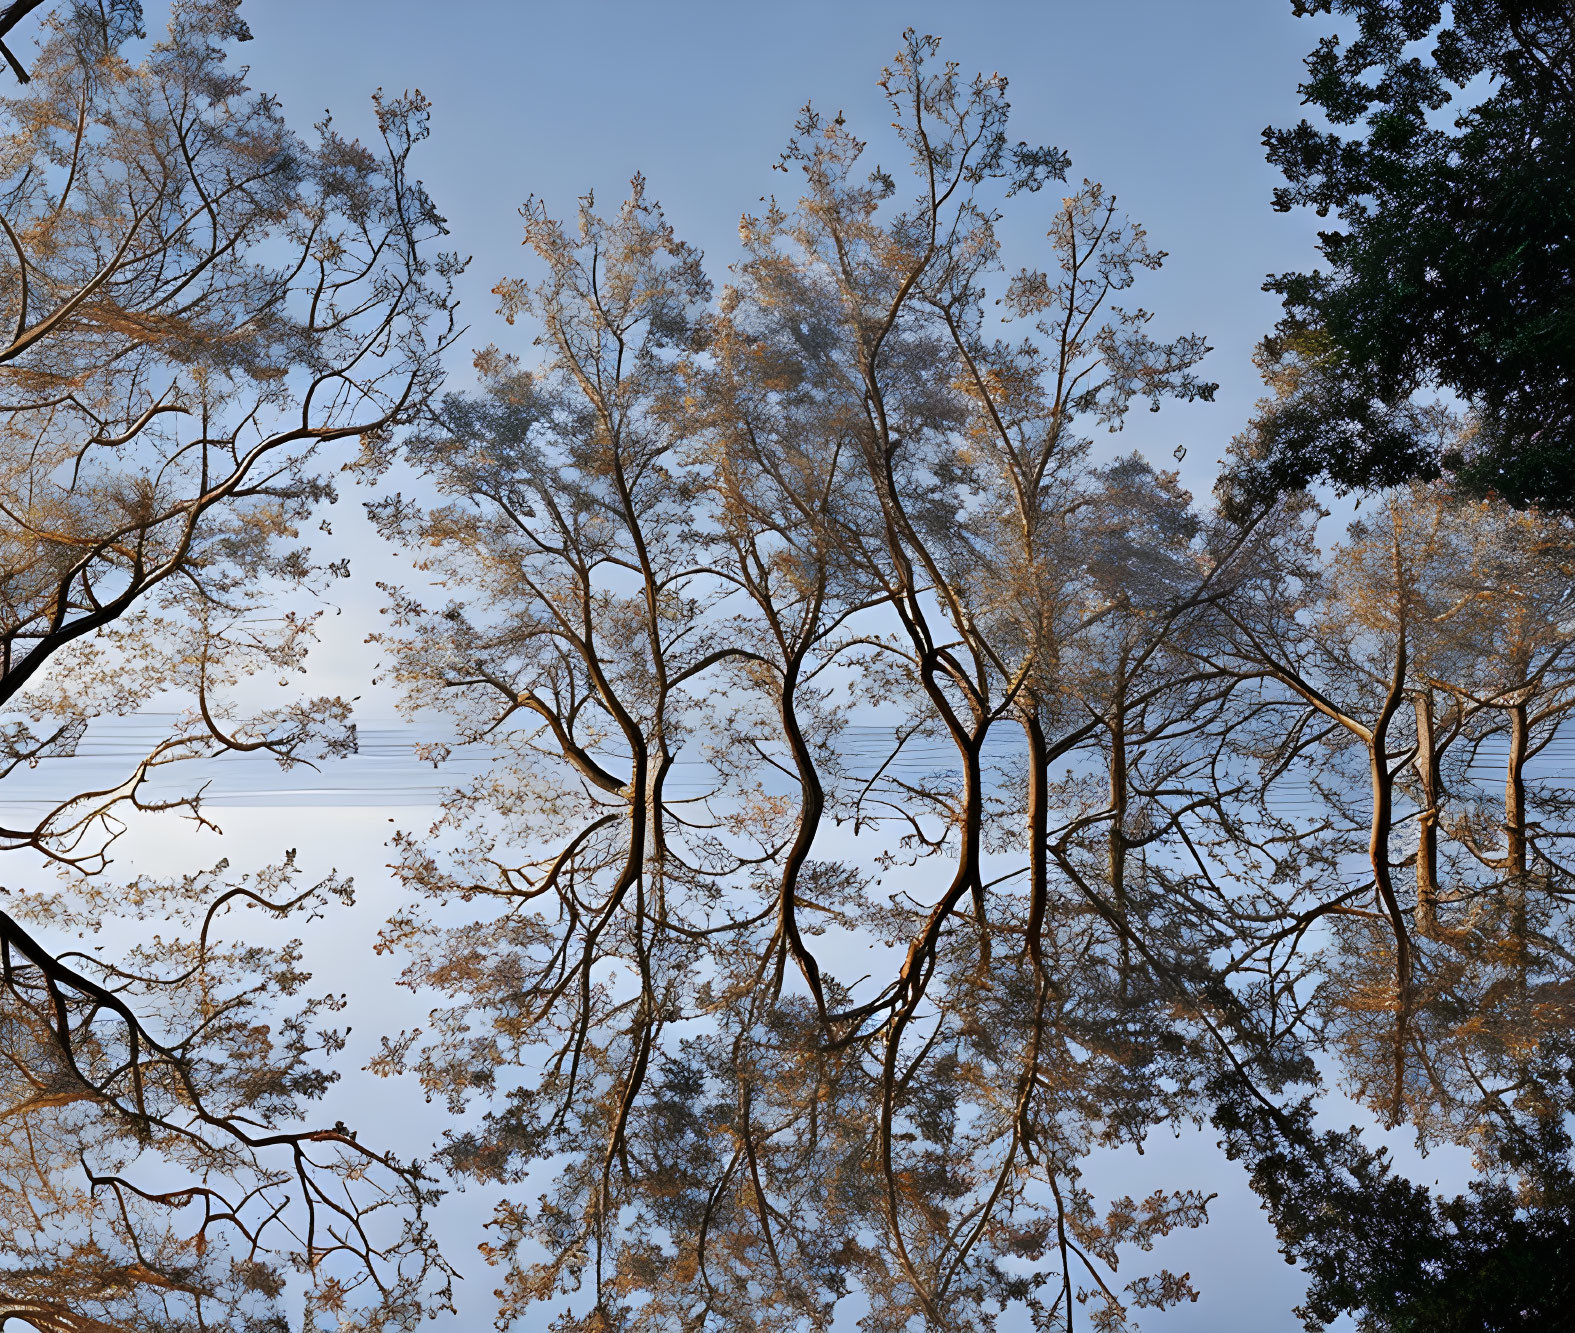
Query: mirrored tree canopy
[(886, 800)]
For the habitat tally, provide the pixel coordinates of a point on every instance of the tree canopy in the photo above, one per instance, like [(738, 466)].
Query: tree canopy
[(1445, 159), (194, 300), (892, 796)]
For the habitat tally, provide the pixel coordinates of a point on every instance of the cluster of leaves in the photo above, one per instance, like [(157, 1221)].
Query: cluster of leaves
[(1453, 266), (812, 639), (1375, 1244), (193, 300), (710, 535)]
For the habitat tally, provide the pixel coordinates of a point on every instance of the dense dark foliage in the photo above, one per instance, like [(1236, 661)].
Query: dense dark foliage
[(1497, 1259), (1448, 165)]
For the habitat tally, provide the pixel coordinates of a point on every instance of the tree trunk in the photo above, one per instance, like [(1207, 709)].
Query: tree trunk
[(1515, 842), (1038, 830), (1515, 793), (1427, 822), (1383, 881), (1117, 838)]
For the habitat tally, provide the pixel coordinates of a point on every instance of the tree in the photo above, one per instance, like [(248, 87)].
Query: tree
[(10, 16), (1452, 267), (892, 803), (1414, 658), (195, 300), (674, 548)]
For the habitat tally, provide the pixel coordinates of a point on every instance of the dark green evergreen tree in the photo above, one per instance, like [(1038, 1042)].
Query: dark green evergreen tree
[(1449, 163)]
